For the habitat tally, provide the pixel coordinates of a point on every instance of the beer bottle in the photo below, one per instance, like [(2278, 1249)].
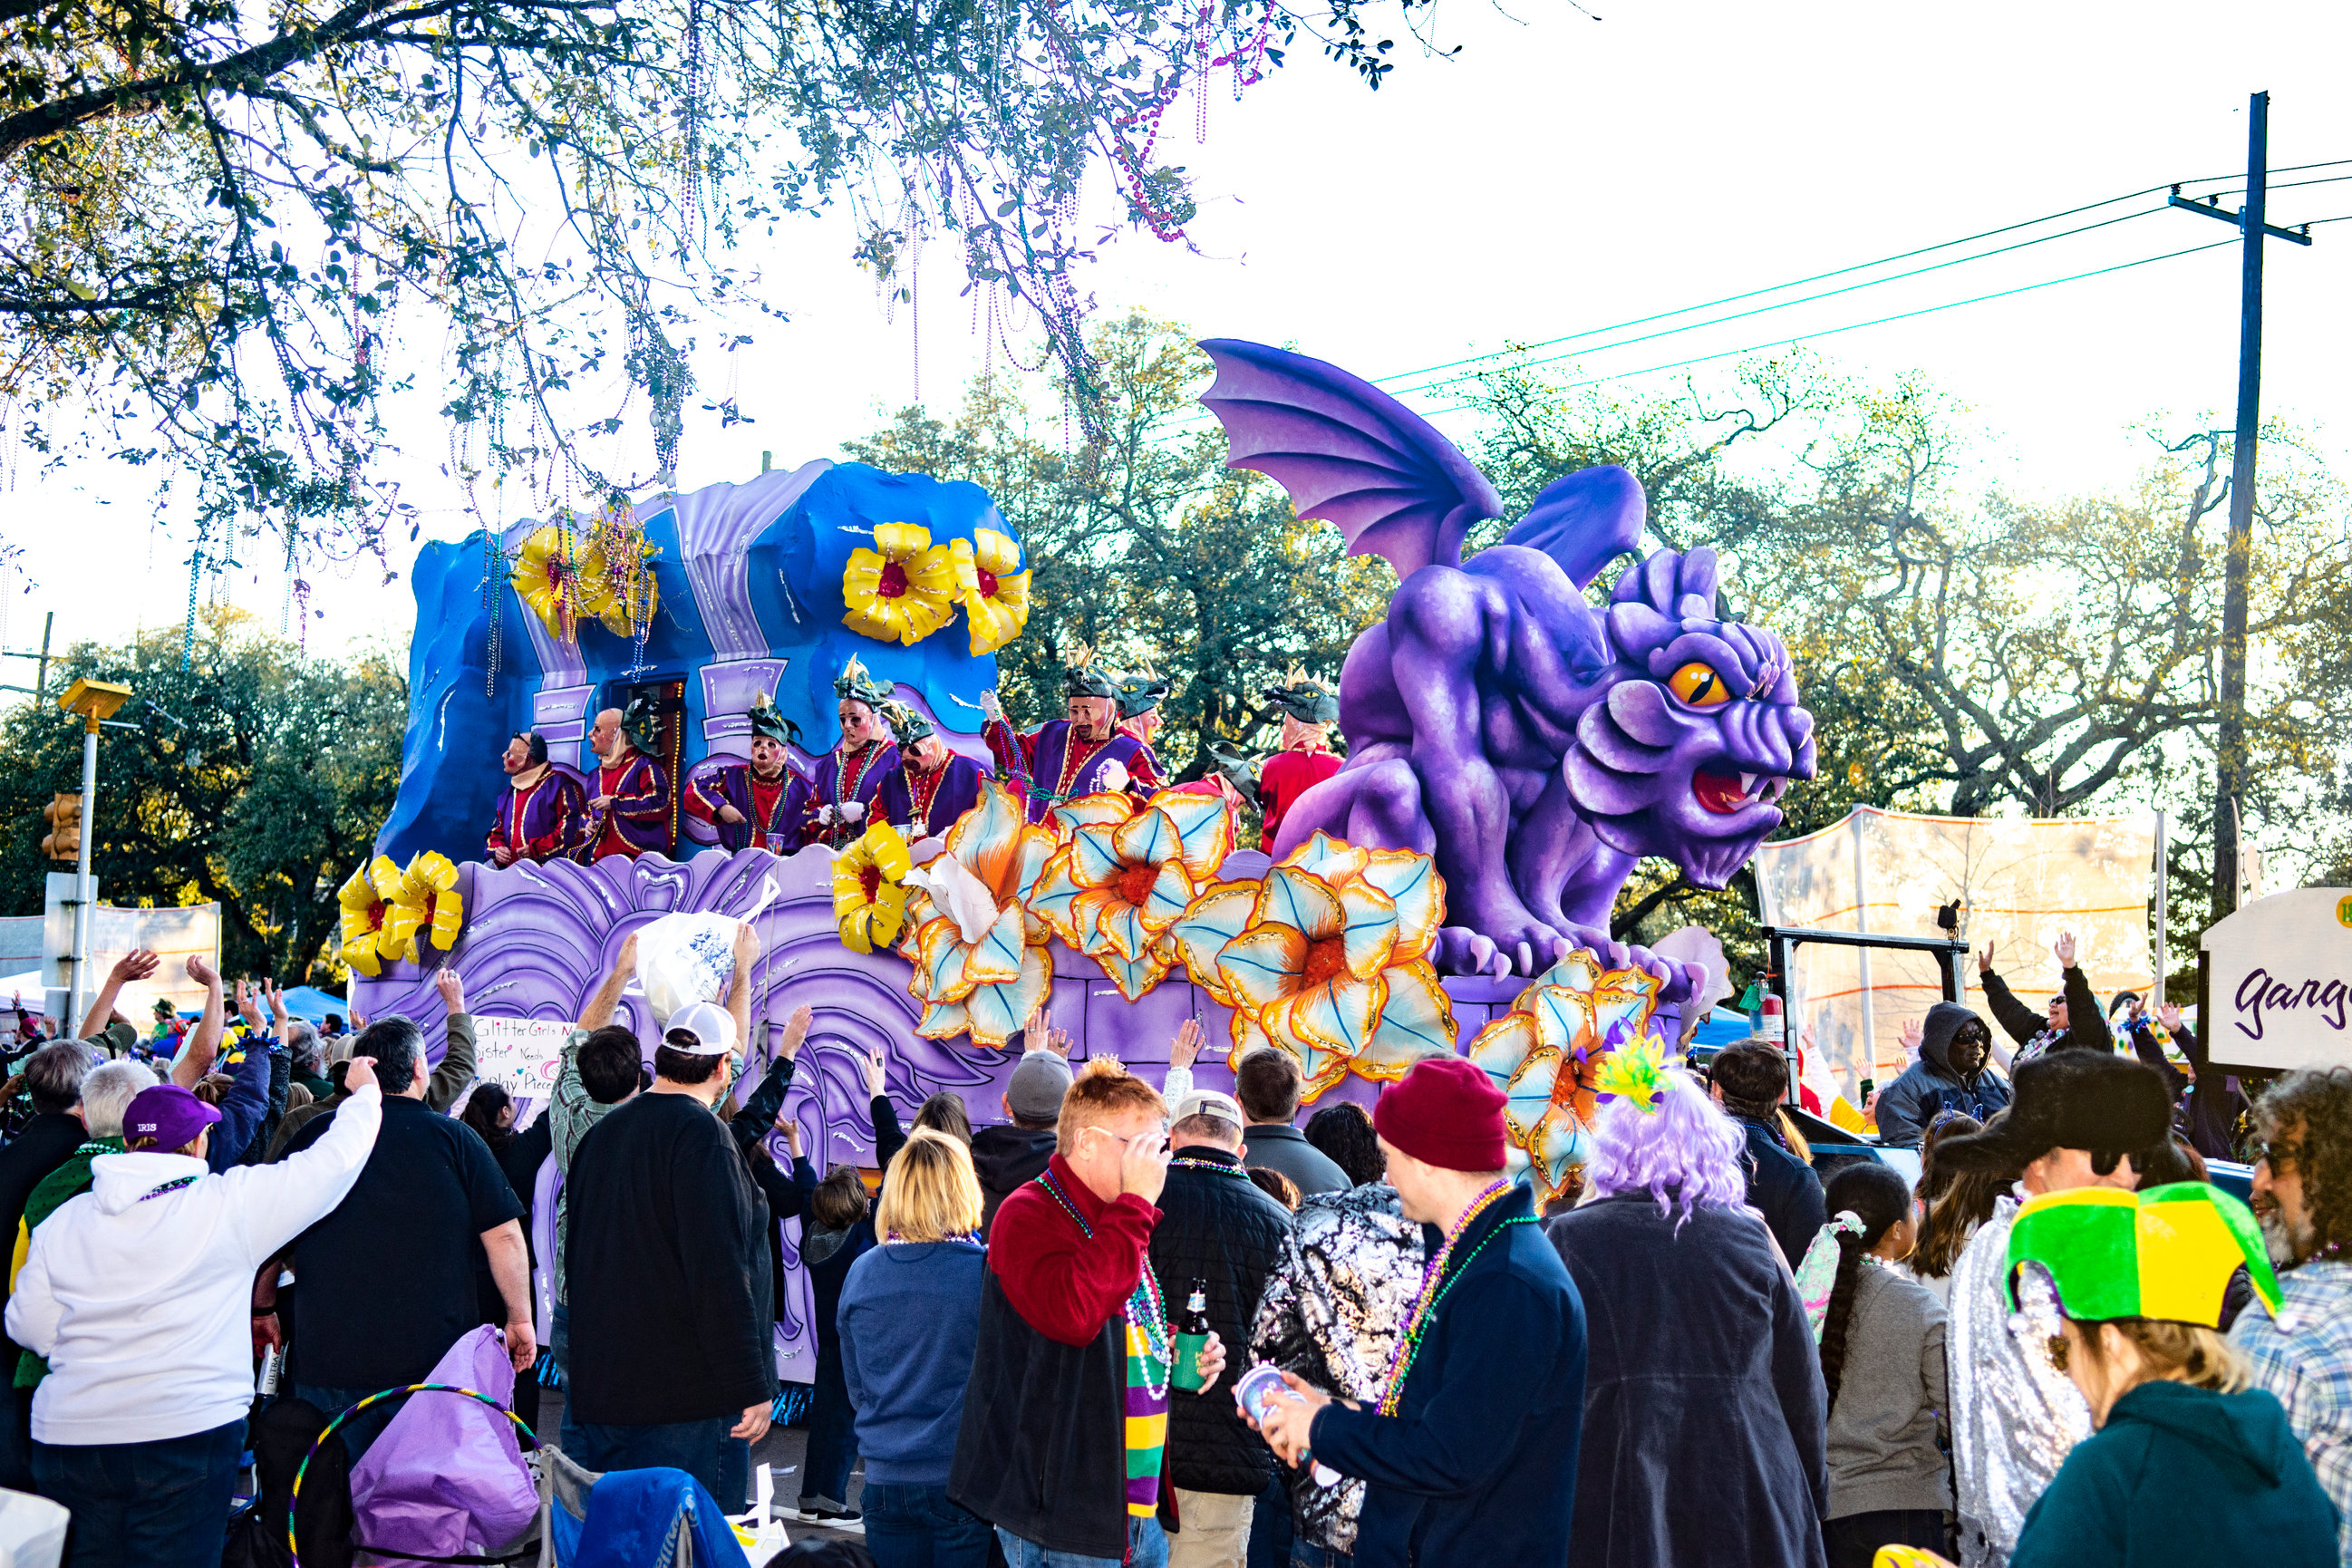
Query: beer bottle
[(1191, 1327)]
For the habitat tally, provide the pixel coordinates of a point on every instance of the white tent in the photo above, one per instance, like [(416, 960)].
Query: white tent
[(2019, 883)]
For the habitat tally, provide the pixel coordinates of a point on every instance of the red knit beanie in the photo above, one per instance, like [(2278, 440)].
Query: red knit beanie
[(1445, 1112)]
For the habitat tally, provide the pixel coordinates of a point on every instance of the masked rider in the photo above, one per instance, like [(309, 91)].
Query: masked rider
[(850, 776), (933, 784), (1310, 709), (1084, 754), (629, 813), (761, 804), (542, 814)]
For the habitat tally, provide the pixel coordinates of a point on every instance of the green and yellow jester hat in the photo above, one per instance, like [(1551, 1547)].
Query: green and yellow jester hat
[(2166, 1253)]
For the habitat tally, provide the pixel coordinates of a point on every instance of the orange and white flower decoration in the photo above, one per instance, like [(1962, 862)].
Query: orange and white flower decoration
[(376, 925), (1547, 1052), (903, 589), (561, 574), (994, 595), (1326, 958), (869, 893), (1114, 890), (427, 903), (980, 962)]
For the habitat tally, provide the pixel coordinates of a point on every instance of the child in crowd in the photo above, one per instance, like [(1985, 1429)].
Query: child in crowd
[(1882, 1349)]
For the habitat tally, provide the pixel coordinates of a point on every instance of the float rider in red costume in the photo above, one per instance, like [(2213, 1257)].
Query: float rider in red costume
[(629, 813), (933, 784), (757, 805), (848, 777), (1310, 709), (1086, 753), (542, 814)]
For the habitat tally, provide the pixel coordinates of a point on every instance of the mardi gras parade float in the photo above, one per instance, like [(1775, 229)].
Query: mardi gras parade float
[(775, 702)]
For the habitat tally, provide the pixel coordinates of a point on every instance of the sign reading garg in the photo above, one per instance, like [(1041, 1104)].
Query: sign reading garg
[(521, 1056), (2278, 982)]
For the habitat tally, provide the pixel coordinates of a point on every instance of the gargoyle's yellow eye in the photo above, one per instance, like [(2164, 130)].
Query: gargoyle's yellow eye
[(1698, 685)]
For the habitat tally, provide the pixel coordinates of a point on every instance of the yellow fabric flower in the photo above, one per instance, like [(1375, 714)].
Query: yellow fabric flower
[(560, 584), (995, 596), (374, 928), (869, 898), (427, 903), (901, 590)]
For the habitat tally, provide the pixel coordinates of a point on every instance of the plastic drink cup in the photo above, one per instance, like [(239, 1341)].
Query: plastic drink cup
[(1257, 1389)]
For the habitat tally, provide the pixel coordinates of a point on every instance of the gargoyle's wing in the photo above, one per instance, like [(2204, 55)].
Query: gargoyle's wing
[(1348, 453), (1584, 521)]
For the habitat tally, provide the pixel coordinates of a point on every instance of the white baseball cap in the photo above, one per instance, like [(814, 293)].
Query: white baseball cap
[(709, 1030)]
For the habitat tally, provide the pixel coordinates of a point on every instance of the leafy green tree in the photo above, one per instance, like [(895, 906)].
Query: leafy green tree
[(1146, 548), (258, 778), (215, 214)]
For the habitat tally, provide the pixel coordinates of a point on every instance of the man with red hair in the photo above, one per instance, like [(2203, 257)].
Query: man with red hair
[(1066, 1414)]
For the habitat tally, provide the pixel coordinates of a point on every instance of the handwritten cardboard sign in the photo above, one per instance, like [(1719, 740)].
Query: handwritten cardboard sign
[(520, 1056), (2278, 982)]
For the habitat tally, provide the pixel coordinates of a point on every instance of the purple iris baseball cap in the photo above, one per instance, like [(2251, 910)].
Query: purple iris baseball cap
[(168, 1114)]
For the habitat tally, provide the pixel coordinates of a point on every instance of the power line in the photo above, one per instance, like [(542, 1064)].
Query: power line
[(1787, 304), (1860, 267), (1882, 321)]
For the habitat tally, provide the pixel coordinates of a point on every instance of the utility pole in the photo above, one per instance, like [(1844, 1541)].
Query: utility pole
[(2229, 774)]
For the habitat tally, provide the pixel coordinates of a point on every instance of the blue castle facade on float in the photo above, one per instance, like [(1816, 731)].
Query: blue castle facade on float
[(750, 604)]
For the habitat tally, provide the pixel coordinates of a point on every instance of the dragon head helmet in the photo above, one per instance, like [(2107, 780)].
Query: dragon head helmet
[(1698, 734)]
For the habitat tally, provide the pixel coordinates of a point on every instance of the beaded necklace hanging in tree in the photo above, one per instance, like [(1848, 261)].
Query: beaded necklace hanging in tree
[(1144, 1310), (1436, 1283)]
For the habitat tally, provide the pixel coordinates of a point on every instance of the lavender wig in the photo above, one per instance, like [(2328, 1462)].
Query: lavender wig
[(1685, 1152)]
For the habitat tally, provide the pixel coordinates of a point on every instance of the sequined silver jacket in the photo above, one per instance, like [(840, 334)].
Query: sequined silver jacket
[(1332, 1313), (2015, 1417)]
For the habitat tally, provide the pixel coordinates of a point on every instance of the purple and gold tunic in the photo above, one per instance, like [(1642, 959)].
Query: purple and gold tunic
[(773, 809), (927, 804), (545, 821), (1051, 765), (842, 776), (637, 822)]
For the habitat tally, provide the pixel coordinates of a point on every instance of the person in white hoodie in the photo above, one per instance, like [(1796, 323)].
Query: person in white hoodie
[(138, 1292)]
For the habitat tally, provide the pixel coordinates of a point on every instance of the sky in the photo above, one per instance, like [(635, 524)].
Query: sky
[(1557, 176)]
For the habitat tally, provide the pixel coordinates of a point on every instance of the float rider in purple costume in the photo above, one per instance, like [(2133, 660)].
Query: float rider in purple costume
[(1084, 754), (543, 815), (757, 805), (629, 811), (933, 784), (848, 777), (1535, 747)]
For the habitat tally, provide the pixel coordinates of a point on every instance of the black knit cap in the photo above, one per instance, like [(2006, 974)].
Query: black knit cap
[(2069, 1099)]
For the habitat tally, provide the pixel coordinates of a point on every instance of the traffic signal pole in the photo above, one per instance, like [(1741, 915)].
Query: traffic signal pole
[(94, 701), (83, 892)]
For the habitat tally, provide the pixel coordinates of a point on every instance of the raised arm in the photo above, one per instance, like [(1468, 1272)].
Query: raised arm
[(739, 990), (2086, 1021), (599, 1011), (196, 1058), (758, 1113), (456, 1069), (2022, 1021), (136, 965)]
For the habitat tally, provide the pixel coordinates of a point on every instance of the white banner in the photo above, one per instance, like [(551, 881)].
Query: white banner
[(2279, 985), (520, 1056), (2020, 882)]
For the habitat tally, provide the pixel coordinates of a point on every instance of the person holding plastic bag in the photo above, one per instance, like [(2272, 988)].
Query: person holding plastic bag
[(137, 1292)]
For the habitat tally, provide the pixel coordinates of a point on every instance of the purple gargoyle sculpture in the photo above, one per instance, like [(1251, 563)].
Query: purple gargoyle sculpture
[(1536, 747)]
